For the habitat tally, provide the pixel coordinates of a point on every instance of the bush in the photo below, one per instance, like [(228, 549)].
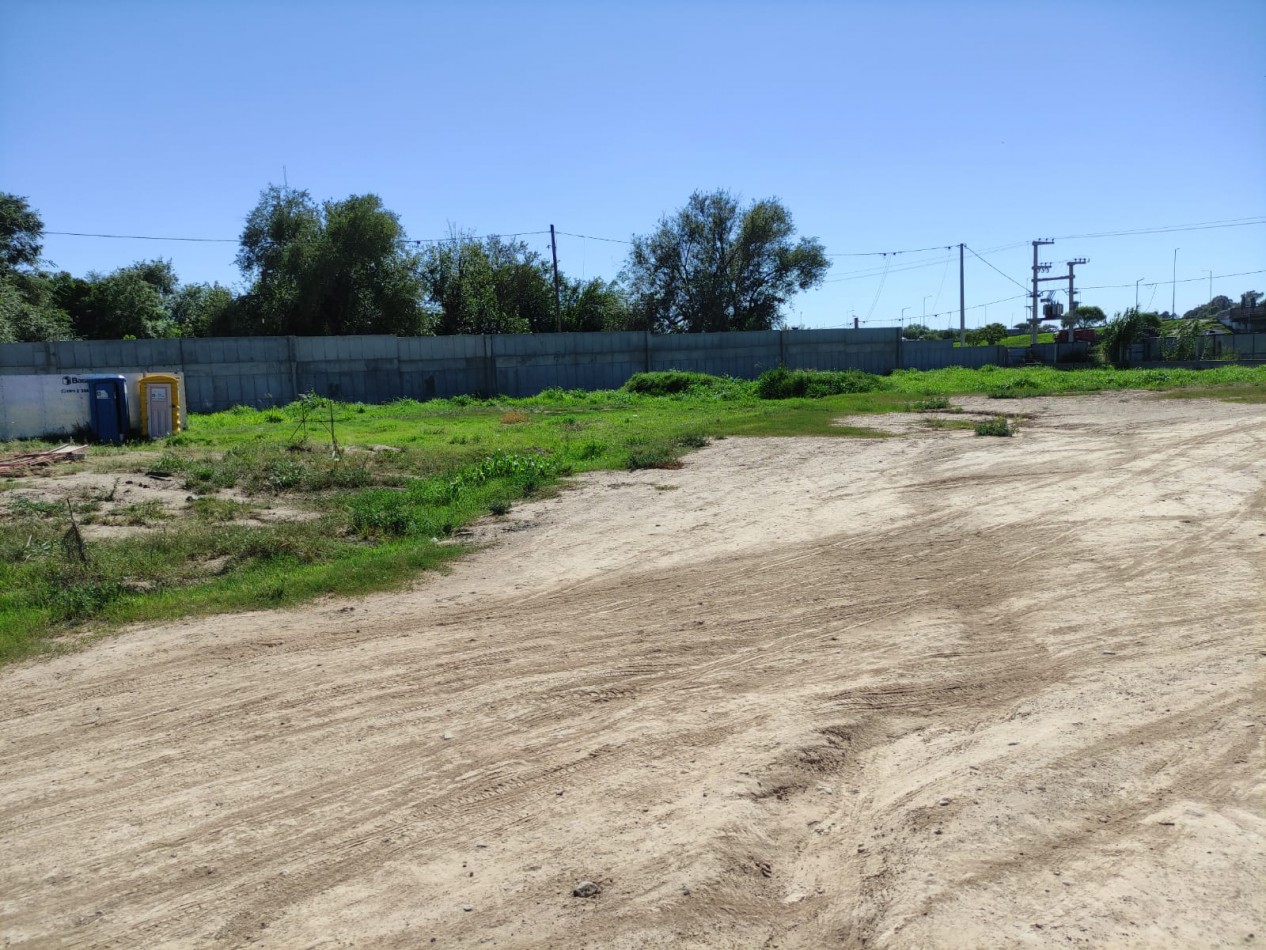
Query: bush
[(998, 426), (670, 383), (783, 383)]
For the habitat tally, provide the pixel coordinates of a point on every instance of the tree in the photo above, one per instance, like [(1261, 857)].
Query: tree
[(1124, 330), (21, 233), (593, 305), (1218, 305), (487, 285), (714, 266), (990, 334), (203, 310), (1083, 316), (134, 301), (917, 331), (28, 308), (339, 268)]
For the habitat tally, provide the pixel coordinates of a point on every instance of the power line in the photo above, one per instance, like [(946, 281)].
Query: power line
[(912, 250), (1007, 276), (1185, 280), (1166, 229), (143, 237), (590, 237)]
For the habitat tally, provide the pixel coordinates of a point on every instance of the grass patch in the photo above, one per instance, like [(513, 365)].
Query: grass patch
[(947, 423)]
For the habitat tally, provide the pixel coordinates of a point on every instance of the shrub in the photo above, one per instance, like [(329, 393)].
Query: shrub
[(783, 383), (997, 426), (656, 456), (670, 382)]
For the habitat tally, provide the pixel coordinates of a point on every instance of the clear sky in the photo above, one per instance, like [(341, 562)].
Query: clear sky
[(882, 126)]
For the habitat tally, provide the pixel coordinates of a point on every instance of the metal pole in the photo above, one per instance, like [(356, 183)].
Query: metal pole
[(558, 306), (1210, 285), (1136, 292), (962, 302)]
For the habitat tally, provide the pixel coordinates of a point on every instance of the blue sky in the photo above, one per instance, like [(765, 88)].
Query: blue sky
[(881, 126)]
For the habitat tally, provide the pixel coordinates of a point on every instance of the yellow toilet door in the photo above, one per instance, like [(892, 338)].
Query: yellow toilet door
[(159, 410)]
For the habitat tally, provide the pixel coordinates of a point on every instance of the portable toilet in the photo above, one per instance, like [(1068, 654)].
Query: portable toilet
[(160, 405), (107, 407)]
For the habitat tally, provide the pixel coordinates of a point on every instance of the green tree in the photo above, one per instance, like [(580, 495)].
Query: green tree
[(487, 285), (134, 301), (28, 307), (203, 310), (1218, 305), (593, 305), (991, 334), (1124, 330), (21, 233), (1083, 316), (338, 268), (715, 266)]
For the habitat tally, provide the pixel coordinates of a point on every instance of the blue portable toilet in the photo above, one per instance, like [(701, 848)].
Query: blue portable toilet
[(107, 407)]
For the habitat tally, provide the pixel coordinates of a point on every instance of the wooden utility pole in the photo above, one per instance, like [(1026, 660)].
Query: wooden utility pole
[(558, 304)]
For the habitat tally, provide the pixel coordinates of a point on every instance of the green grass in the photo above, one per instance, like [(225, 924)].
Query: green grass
[(997, 426), (377, 517)]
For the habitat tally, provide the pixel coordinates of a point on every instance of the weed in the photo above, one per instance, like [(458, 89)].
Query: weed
[(514, 417), (998, 426), (659, 456), (928, 404), (783, 383), (670, 383)]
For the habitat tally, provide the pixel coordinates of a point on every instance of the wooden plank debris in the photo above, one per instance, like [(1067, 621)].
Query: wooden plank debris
[(17, 465)]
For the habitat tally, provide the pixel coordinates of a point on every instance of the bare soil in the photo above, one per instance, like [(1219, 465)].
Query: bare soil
[(125, 503), (930, 691)]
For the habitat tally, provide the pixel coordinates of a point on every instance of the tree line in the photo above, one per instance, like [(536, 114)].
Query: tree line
[(314, 268)]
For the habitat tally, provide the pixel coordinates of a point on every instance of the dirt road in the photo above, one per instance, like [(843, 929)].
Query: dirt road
[(935, 690)]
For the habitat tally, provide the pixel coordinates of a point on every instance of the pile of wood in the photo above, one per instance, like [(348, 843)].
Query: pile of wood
[(17, 465)]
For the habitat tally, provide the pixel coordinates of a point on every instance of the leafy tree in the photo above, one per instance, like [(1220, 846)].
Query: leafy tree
[(1249, 299), (990, 334), (203, 310), (917, 331), (715, 266), (21, 233), (1212, 309), (593, 305), (1083, 316), (28, 307), (28, 311), (338, 268), (1124, 330), (134, 301), (487, 286)]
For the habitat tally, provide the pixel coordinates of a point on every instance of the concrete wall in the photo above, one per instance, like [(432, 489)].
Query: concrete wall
[(266, 371)]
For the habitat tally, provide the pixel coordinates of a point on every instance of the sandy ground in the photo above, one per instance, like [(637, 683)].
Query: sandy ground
[(930, 691)]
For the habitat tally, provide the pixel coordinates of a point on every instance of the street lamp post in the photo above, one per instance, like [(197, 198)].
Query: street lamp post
[(925, 308), (1136, 293)]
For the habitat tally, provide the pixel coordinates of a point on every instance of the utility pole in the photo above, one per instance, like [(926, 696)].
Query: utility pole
[(1072, 302), (1210, 273), (1036, 268), (1173, 286), (1136, 293), (962, 301), (558, 306)]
